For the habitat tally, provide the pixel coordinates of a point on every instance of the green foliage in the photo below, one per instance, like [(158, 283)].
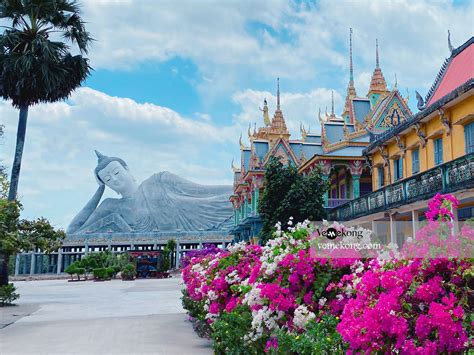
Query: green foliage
[(101, 273), (110, 272), (197, 315), (8, 294), (36, 67), (75, 269), (290, 194), (128, 272), (319, 338), (229, 330), (41, 235), (171, 245)]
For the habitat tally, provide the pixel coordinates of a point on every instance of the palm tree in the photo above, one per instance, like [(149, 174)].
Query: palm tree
[(36, 63)]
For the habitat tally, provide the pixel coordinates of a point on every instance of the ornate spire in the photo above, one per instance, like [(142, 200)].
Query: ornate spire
[(278, 124), (351, 68), (377, 53), (278, 94), (351, 91), (377, 83)]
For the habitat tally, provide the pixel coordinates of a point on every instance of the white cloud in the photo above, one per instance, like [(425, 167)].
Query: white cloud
[(265, 39)]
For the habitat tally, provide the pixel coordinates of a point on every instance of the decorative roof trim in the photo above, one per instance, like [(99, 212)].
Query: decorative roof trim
[(389, 134)]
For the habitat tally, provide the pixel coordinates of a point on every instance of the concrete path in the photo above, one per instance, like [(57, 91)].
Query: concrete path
[(112, 317)]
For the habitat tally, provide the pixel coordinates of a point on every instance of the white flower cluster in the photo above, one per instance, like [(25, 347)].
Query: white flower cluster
[(302, 316), (232, 277), (234, 248), (264, 318)]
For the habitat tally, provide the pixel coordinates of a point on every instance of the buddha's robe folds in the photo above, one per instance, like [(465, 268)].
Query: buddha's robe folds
[(164, 202)]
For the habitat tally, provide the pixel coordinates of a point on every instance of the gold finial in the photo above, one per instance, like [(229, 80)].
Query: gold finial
[(319, 116), (346, 130), (396, 81), (248, 131), (234, 169), (255, 128), (408, 96), (240, 142), (303, 132), (266, 117)]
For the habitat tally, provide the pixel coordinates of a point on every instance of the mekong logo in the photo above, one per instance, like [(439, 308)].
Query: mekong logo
[(332, 233)]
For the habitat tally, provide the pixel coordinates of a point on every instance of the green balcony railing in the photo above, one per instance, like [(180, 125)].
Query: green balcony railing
[(448, 177)]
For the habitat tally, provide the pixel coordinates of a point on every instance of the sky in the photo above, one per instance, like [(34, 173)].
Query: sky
[(175, 83)]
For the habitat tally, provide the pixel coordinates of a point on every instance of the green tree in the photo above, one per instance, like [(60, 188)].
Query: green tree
[(290, 194), (36, 63), (18, 235)]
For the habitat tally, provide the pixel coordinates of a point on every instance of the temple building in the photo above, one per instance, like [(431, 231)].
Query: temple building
[(337, 149), (429, 152)]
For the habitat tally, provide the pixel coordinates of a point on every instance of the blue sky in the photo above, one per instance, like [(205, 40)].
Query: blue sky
[(176, 83)]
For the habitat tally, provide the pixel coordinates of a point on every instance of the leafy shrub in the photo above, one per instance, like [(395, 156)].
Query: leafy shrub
[(75, 269), (229, 330), (100, 273), (319, 338), (128, 272), (110, 271), (8, 295)]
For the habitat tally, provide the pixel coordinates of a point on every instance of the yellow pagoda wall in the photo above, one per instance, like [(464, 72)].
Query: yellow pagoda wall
[(459, 115)]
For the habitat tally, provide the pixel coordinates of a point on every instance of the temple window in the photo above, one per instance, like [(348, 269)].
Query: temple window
[(469, 137), (415, 161), (438, 151), (398, 169), (380, 172)]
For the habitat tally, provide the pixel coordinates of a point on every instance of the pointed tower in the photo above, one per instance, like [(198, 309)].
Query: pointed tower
[(351, 91), (278, 126), (378, 86)]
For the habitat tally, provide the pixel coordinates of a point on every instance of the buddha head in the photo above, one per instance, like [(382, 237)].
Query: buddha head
[(114, 173)]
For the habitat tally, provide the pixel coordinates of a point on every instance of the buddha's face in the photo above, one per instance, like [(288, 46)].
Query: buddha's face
[(119, 179)]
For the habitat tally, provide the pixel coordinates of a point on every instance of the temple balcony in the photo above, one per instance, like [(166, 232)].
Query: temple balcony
[(336, 202), (449, 177)]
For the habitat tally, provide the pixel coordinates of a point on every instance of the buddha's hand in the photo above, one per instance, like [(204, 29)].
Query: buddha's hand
[(98, 180)]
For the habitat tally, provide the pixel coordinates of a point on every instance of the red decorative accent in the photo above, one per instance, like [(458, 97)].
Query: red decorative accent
[(356, 167)]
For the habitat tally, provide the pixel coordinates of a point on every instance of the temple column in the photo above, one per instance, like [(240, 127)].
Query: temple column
[(415, 222), (393, 230), (32, 263), (17, 264), (256, 197), (60, 261), (326, 194), (86, 249), (356, 185), (177, 254)]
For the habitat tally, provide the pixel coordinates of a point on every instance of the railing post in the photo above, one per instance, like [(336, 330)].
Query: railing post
[(444, 181)]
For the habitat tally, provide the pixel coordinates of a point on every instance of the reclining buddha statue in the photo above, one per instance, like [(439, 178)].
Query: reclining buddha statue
[(163, 202)]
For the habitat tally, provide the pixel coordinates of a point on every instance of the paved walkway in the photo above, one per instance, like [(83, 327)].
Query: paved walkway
[(112, 317)]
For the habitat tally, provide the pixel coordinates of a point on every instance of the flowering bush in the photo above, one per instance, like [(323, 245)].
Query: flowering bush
[(288, 296)]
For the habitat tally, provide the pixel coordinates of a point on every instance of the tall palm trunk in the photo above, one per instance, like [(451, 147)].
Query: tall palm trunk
[(20, 142)]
